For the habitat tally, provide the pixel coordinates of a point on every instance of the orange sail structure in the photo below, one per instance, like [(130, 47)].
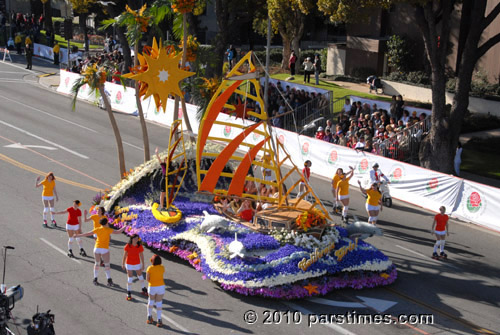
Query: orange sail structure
[(245, 145)]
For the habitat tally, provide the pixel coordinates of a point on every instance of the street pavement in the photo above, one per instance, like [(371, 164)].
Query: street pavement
[(461, 294)]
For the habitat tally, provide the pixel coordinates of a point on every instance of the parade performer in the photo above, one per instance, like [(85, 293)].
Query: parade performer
[(335, 181), (48, 193), (306, 174), (133, 260), (343, 192), (73, 225), (101, 249), (373, 202), (440, 224), (156, 289)]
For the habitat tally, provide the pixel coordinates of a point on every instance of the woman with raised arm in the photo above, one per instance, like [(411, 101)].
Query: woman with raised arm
[(343, 192), (101, 249), (48, 193), (373, 201)]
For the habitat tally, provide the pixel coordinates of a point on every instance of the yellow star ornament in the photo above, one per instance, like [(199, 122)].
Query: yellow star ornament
[(163, 76)]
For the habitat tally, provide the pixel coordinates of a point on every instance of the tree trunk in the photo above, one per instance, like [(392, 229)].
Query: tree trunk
[(286, 52), (116, 131), (83, 27), (120, 31), (221, 40), (435, 153), (47, 13), (183, 64), (145, 137)]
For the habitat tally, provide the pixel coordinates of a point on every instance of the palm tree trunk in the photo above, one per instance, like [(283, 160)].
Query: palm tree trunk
[(183, 63), (116, 131), (145, 137)]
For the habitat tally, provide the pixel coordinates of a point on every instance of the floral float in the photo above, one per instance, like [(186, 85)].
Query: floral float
[(309, 256)]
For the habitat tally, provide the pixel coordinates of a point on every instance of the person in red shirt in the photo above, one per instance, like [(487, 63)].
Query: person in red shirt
[(73, 225), (440, 224), (306, 174), (133, 260)]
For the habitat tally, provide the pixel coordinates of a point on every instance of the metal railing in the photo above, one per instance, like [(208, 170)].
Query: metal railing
[(405, 145), (302, 115)]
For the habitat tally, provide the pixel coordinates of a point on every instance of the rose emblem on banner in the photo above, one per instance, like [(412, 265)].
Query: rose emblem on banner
[(180, 113), (227, 131), (363, 166), (305, 149), (397, 174), (119, 97), (66, 81), (333, 157), (474, 202), (281, 138), (432, 185), (256, 137), (84, 87)]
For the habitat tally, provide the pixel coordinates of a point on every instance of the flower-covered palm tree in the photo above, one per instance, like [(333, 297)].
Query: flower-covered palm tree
[(95, 77)]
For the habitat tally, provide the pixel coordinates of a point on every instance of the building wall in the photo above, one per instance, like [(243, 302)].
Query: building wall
[(336, 60)]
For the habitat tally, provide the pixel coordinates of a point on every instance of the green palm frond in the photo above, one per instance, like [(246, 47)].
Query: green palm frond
[(105, 24), (160, 10), (74, 91), (177, 27)]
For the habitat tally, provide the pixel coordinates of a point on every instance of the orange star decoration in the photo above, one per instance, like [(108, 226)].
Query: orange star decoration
[(311, 289), (193, 255), (384, 275), (173, 248), (240, 109), (162, 75)]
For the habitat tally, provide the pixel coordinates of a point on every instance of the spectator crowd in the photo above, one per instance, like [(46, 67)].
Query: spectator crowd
[(394, 133)]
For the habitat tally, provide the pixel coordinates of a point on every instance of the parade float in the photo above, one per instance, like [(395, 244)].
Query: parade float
[(288, 248)]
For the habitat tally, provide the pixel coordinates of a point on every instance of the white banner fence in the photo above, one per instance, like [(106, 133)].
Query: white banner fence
[(466, 200)]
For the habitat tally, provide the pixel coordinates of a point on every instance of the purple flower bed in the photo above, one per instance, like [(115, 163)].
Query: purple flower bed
[(159, 236)]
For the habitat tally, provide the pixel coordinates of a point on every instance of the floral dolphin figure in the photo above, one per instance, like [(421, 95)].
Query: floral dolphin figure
[(213, 222), (236, 248), (362, 230)]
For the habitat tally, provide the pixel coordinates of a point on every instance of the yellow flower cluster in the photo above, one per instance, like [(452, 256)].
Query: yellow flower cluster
[(183, 6), (94, 76), (209, 87), (192, 48), (140, 18), (309, 219)]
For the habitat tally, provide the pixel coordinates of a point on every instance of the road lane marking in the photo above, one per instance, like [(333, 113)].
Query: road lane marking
[(38, 172), (59, 163), (26, 146), (333, 326), (43, 140), (49, 114), (428, 258), (133, 146), (60, 250), (19, 67), (166, 318)]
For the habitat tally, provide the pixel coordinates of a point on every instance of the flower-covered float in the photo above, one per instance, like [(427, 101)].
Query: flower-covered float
[(289, 249)]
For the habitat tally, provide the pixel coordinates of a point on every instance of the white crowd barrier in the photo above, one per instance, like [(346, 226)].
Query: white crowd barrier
[(44, 51), (429, 189)]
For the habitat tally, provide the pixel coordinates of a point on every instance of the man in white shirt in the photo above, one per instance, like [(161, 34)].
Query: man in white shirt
[(376, 174)]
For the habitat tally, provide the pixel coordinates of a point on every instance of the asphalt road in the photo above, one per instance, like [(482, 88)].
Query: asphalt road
[(461, 295)]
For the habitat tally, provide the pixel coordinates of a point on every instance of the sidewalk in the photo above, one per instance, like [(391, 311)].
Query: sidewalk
[(50, 81), (464, 138)]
